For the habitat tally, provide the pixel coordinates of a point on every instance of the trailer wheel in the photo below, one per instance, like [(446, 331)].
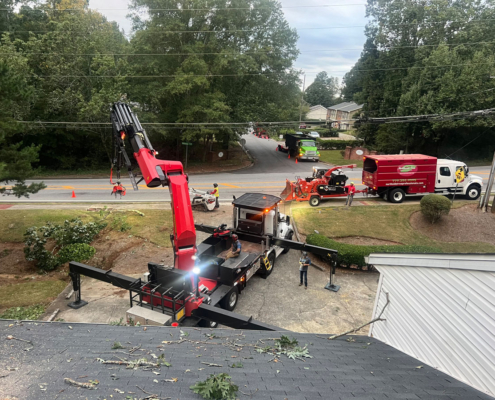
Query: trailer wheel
[(473, 192), (230, 301), (314, 201), (396, 195), (265, 270)]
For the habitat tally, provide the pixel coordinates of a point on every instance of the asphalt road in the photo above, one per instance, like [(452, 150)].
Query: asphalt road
[(268, 175)]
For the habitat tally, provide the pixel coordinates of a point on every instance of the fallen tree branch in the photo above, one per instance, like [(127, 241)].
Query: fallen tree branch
[(130, 364), (152, 395), (85, 385), (379, 318), (10, 337)]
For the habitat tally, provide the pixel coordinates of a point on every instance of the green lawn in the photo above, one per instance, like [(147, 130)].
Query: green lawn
[(30, 293), (380, 222), (334, 157), (156, 225)]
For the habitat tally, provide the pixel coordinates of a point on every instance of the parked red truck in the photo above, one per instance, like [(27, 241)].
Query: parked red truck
[(393, 177)]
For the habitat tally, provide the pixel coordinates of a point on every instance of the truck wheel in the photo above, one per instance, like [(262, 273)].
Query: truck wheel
[(266, 270), (289, 237), (230, 301), (396, 196), (314, 201), (473, 192)]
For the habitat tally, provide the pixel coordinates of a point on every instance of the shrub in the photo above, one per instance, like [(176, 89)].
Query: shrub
[(21, 313), (336, 144), (351, 254), (120, 223), (76, 252), (71, 232), (433, 206)]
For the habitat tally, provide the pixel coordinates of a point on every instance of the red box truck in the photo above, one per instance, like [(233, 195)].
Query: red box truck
[(393, 177)]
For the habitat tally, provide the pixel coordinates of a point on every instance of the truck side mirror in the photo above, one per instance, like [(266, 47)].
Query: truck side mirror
[(287, 219)]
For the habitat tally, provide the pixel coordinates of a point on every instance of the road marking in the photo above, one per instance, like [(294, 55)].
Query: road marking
[(68, 187), (232, 186)]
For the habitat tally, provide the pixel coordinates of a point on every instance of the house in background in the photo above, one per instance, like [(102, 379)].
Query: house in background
[(339, 115), (317, 113)]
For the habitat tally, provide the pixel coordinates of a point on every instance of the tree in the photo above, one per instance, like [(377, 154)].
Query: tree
[(426, 58), (221, 62), (323, 91), (16, 159)]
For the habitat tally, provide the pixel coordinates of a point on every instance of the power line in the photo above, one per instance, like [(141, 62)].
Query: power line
[(229, 53), (299, 29), (249, 74), (270, 123)]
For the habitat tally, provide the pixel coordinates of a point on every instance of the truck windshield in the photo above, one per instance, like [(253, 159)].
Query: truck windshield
[(308, 143)]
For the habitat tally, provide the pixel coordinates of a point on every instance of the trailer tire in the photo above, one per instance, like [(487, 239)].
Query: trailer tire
[(314, 201), (473, 192), (229, 302), (264, 271), (396, 195)]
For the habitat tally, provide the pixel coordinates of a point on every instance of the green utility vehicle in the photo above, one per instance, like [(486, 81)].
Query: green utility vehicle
[(302, 147)]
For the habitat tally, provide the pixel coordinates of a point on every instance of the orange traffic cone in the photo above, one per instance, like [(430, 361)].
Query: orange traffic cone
[(296, 160), (276, 149), (289, 156), (73, 194)]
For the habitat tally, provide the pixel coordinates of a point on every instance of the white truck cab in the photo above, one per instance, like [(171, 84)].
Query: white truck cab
[(445, 182)]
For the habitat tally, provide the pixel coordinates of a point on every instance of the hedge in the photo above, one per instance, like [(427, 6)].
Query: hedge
[(324, 132), (336, 144), (351, 254)]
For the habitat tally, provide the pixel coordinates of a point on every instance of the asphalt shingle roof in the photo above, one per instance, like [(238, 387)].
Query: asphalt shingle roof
[(362, 368), (346, 106)]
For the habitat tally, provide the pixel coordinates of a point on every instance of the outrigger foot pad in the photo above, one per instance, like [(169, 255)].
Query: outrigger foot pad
[(333, 288), (77, 304)]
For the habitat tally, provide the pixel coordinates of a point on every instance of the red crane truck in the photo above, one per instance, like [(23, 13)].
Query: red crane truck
[(393, 177), (201, 287)]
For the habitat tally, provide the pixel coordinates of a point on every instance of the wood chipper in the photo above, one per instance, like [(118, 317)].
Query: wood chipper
[(324, 184)]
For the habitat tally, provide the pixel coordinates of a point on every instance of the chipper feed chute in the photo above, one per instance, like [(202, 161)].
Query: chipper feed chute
[(288, 192)]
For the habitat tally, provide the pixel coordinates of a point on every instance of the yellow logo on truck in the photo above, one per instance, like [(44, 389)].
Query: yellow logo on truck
[(460, 175)]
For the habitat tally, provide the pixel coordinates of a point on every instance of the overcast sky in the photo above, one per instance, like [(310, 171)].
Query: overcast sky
[(337, 60)]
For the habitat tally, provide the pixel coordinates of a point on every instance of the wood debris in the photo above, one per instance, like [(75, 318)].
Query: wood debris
[(85, 385)]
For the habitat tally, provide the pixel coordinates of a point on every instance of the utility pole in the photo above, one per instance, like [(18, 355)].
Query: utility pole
[(486, 198), (302, 95)]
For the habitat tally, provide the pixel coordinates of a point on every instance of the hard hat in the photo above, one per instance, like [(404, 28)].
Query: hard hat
[(352, 183), (215, 185), (234, 236), (304, 253)]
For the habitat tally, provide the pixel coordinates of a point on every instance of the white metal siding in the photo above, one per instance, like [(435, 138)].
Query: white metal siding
[(443, 317)]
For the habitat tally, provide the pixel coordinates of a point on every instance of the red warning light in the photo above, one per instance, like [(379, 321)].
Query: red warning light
[(175, 324)]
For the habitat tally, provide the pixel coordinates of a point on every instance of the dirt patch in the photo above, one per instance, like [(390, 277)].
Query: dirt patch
[(365, 241), (465, 224), (13, 261)]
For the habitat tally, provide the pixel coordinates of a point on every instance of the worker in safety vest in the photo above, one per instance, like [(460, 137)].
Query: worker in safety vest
[(351, 189), (118, 189), (216, 193), (235, 250)]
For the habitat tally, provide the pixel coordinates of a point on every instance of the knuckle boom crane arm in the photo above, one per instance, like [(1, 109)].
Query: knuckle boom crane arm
[(155, 173)]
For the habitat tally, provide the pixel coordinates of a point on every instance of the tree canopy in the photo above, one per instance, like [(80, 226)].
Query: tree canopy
[(427, 57), (323, 91), (201, 61)]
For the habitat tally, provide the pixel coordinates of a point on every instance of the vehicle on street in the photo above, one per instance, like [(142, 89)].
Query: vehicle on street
[(299, 133), (393, 177), (314, 134), (326, 183), (302, 126), (302, 147)]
